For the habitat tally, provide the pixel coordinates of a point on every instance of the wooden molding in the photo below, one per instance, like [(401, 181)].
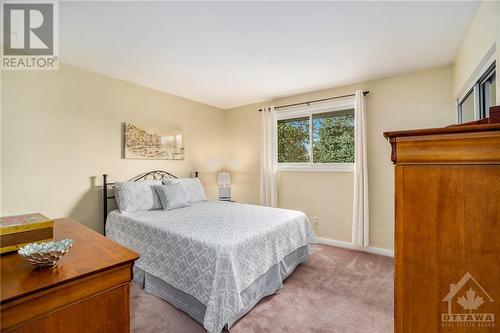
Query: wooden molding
[(479, 144)]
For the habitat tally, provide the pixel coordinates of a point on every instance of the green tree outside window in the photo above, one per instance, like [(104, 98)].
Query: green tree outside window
[(332, 138)]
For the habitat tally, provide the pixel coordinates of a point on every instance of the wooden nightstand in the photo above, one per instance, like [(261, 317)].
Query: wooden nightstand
[(88, 291)]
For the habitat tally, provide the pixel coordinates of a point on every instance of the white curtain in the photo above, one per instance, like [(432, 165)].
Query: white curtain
[(360, 222), (268, 179)]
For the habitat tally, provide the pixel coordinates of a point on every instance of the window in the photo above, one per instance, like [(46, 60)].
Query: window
[(466, 108), (487, 92), (333, 137), (477, 101), (319, 138), (293, 140)]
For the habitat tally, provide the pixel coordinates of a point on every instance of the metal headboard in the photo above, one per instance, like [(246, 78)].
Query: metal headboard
[(151, 175)]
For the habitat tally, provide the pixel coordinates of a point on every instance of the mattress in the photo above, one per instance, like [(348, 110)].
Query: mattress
[(212, 251)]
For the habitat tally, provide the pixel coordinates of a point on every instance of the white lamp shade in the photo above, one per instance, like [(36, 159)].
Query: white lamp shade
[(224, 179)]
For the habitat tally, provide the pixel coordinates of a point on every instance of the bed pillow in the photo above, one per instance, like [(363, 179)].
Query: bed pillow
[(137, 196), (172, 196), (193, 187)]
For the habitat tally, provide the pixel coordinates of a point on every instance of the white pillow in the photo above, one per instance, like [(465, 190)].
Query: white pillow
[(193, 187), (137, 196), (172, 196)]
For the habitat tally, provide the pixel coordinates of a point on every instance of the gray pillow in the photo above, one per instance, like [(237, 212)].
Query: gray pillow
[(137, 196), (172, 196), (193, 187)]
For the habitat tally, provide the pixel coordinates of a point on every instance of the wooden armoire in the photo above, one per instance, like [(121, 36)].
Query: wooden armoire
[(447, 229)]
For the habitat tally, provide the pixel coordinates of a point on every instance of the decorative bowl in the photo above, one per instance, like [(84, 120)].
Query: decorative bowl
[(45, 254)]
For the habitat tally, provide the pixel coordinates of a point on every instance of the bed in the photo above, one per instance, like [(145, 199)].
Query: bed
[(213, 260)]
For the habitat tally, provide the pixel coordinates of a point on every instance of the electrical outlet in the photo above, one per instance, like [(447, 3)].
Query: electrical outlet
[(315, 220)]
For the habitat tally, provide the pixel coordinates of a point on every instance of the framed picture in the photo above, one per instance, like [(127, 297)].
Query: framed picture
[(153, 143)]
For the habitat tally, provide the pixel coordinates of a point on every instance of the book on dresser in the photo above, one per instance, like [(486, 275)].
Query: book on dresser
[(18, 230)]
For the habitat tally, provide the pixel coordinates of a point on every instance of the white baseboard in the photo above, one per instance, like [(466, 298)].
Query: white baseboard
[(351, 246)]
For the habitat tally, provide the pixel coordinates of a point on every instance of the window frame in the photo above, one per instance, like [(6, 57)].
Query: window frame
[(475, 85), (484, 83), (308, 110), (474, 92)]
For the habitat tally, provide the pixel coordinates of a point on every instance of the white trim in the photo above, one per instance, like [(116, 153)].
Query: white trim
[(311, 151), (316, 167), (483, 66), (351, 246), (298, 112)]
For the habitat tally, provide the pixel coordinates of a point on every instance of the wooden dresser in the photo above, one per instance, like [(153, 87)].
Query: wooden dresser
[(88, 291), (447, 251)]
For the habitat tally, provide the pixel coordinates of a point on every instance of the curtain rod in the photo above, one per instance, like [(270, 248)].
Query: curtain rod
[(366, 92)]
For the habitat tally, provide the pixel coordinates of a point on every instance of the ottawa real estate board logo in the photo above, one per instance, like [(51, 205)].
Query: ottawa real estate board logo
[(468, 305), (30, 36)]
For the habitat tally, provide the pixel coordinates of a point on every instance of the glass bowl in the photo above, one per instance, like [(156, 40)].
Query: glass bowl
[(45, 254)]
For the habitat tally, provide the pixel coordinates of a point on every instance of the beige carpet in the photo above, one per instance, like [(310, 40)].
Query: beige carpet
[(336, 290)]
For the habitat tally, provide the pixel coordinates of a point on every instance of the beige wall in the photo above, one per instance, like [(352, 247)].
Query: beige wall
[(498, 51), (61, 130), (0, 143), (421, 99), (325, 195), (481, 35)]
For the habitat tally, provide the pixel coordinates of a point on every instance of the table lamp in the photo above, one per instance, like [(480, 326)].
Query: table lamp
[(224, 181)]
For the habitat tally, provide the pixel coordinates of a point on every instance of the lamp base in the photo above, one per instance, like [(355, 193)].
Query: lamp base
[(225, 193)]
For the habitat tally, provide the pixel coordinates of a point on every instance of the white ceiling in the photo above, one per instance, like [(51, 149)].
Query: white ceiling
[(228, 54)]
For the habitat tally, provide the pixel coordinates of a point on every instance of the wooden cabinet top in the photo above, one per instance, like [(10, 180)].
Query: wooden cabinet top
[(474, 144), (443, 130), (91, 253)]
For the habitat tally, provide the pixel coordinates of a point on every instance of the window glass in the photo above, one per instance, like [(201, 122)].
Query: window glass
[(492, 86), (293, 140), (333, 137), (467, 108)]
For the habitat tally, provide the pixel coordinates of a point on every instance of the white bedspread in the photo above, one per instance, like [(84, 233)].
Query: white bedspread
[(211, 250)]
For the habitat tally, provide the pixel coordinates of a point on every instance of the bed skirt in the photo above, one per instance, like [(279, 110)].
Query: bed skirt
[(264, 286)]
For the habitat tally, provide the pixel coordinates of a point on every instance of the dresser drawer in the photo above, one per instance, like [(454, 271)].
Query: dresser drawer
[(97, 289)]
